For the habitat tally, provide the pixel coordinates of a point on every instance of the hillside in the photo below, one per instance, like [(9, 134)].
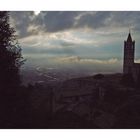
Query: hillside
[(97, 99)]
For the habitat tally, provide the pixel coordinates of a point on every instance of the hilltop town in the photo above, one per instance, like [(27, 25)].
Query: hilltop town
[(98, 101)]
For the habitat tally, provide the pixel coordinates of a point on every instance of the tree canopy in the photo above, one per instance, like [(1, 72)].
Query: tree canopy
[(10, 53)]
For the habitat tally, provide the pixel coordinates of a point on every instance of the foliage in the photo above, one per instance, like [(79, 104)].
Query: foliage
[(10, 53)]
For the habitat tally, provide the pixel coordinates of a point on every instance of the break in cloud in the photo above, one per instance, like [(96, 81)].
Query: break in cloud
[(89, 37)]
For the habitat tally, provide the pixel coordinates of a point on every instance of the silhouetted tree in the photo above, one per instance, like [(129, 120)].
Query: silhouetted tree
[(10, 53), (10, 62)]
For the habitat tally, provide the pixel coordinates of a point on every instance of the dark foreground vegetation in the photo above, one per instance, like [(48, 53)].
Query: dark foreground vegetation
[(113, 106)]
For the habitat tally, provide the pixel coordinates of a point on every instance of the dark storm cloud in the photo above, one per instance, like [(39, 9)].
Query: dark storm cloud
[(125, 18), (22, 20), (117, 19), (55, 21), (93, 20)]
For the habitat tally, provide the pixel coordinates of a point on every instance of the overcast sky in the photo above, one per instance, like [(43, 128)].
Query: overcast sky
[(88, 39)]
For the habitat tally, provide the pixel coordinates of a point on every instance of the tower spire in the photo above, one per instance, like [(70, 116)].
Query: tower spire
[(129, 38), (129, 48)]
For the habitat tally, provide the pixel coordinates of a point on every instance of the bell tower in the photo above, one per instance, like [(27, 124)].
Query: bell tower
[(129, 50)]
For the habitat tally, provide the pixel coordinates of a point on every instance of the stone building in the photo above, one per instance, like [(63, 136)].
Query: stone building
[(129, 65)]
